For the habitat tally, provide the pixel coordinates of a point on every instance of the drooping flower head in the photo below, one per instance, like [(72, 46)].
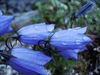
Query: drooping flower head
[(28, 62), (5, 24), (33, 33), (85, 8), (70, 40)]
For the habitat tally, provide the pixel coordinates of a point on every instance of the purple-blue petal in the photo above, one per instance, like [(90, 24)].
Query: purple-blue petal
[(78, 30), (36, 29), (26, 68), (29, 39), (5, 24), (31, 56), (70, 39), (10, 30), (33, 33), (69, 53)]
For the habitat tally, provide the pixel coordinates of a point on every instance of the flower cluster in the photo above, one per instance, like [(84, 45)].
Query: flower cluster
[(67, 42)]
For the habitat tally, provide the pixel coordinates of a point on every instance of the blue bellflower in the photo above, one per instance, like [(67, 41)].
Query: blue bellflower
[(69, 42), (33, 33), (70, 39), (28, 62), (5, 24), (85, 8)]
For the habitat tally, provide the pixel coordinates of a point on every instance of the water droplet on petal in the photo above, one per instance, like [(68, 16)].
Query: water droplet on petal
[(85, 38), (50, 28), (56, 36), (78, 42), (36, 27), (64, 43)]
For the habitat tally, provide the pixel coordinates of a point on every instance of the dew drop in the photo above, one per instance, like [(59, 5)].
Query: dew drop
[(56, 36), (64, 43), (85, 38), (78, 41), (36, 27), (50, 28)]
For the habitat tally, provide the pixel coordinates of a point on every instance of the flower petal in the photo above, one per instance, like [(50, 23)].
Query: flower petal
[(36, 29), (31, 56), (70, 39), (33, 33), (70, 54), (5, 24), (26, 68), (78, 30)]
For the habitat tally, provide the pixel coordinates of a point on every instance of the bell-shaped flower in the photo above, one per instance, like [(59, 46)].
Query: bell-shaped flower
[(85, 8), (28, 62), (27, 68), (5, 24), (70, 39), (33, 33)]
